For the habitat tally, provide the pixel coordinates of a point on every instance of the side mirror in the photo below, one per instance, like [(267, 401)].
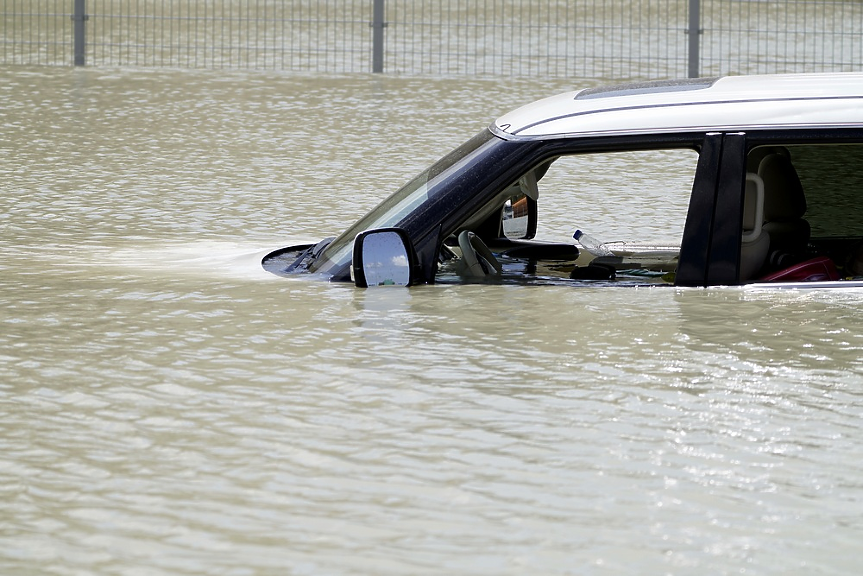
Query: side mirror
[(518, 217), (383, 257)]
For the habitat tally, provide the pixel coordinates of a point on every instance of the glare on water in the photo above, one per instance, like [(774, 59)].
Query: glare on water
[(169, 407)]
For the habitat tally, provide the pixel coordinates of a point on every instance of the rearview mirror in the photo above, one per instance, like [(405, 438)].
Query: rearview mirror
[(383, 257), (518, 218)]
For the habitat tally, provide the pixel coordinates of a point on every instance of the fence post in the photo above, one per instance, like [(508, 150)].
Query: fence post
[(79, 18), (694, 32), (378, 26)]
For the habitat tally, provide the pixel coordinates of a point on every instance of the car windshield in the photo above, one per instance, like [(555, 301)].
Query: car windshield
[(394, 209)]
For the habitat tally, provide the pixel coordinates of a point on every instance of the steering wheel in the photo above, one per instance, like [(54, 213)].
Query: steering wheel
[(478, 259)]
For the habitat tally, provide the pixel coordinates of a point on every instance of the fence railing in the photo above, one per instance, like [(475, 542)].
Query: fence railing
[(611, 39)]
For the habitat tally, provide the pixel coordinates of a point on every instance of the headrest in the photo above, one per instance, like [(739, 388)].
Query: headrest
[(756, 155), (783, 194)]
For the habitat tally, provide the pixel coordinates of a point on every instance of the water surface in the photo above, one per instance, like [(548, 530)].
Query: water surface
[(170, 408)]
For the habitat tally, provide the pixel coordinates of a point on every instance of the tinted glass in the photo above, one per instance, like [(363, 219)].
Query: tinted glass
[(832, 179)]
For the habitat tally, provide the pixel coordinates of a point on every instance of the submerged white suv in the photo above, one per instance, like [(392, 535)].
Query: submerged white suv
[(759, 178)]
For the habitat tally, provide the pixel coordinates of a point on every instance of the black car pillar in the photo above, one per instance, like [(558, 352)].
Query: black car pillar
[(710, 248)]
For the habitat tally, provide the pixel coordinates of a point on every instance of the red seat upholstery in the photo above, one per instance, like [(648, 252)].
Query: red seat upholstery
[(818, 269)]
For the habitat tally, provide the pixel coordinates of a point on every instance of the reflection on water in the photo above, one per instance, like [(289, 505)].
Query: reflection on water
[(169, 407)]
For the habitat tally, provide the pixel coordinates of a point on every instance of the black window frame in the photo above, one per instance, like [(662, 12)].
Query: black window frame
[(500, 168), (713, 259)]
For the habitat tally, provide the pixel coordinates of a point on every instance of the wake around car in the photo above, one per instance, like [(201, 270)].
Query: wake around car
[(757, 179)]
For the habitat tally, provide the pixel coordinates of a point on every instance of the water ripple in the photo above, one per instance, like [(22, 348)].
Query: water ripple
[(168, 408)]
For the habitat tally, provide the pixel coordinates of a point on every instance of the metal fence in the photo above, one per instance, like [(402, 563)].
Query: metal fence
[(611, 39)]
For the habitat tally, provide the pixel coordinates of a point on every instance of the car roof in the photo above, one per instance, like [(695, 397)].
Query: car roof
[(700, 104)]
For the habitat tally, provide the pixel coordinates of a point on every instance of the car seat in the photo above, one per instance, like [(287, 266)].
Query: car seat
[(818, 269), (784, 206)]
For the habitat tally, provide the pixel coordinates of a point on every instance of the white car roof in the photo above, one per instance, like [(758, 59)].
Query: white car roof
[(700, 104)]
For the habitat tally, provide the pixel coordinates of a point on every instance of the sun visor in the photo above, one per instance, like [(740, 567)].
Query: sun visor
[(528, 186)]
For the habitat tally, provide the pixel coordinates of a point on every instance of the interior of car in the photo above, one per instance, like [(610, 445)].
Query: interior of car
[(802, 220), (514, 243), (811, 221)]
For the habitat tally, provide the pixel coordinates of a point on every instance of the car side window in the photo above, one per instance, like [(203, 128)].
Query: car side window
[(635, 202), (811, 211), (634, 196)]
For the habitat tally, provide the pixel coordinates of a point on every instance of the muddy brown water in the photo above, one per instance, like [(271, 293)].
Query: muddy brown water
[(167, 407)]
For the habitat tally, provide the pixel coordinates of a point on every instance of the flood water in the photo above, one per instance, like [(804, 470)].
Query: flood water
[(167, 407)]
